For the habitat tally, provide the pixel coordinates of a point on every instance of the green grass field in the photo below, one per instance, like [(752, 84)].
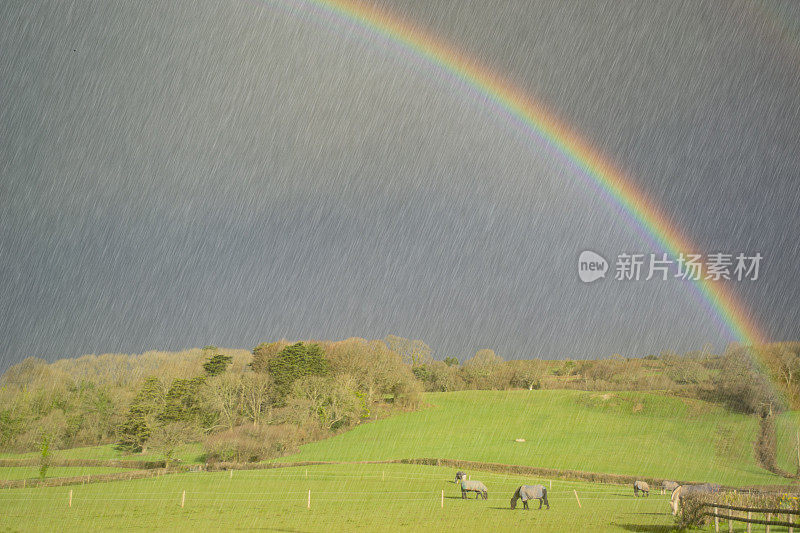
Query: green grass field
[(189, 453), (623, 433), (29, 472), (786, 433), (343, 498)]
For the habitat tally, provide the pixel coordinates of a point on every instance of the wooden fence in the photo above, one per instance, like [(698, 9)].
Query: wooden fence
[(768, 520)]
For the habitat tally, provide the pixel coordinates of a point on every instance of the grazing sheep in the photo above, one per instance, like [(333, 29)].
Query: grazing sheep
[(641, 486), (668, 486), (530, 492), (473, 486), (689, 490)]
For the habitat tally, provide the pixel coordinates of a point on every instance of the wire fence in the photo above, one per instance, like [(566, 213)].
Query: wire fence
[(316, 473)]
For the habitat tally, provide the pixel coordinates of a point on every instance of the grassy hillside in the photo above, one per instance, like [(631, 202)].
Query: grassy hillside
[(620, 432), (786, 431)]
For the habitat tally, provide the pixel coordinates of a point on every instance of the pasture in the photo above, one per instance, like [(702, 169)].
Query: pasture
[(343, 498), (188, 453), (29, 472), (640, 434), (633, 433)]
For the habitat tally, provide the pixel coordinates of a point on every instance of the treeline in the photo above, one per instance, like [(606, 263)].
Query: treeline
[(284, 395), (253, 405), (745, 379)]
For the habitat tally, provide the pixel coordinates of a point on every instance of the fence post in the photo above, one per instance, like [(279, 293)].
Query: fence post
[(309, 499), (769, 517), (749, 525), (442, 498), (183, 499), (70, 497), (551, 484), (716, 520), (576, 497), (730, 522), (230, 474), (791, 521)]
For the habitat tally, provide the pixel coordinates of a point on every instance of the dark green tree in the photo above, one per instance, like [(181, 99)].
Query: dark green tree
[(183, 402), (134, 432), (296, 361), (264, 352), (136, 429), (217, 364)]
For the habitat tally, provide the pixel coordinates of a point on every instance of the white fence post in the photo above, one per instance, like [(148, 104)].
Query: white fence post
[(576, 497), (309, 499), (442, 498), (749, 525), (716, 520), (183, 499), (769, 517), (70, 497)]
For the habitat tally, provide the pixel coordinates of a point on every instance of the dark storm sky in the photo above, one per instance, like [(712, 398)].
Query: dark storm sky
[(181, 174)]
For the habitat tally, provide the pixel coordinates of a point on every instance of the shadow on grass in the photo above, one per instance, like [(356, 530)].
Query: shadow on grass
[(519, 509)]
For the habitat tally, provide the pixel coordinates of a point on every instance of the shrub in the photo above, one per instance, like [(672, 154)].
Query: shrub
[(742, 386), (251, 443), (407, 394)]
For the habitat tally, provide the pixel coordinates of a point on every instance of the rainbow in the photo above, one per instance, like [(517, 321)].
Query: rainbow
[(539, 121)]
